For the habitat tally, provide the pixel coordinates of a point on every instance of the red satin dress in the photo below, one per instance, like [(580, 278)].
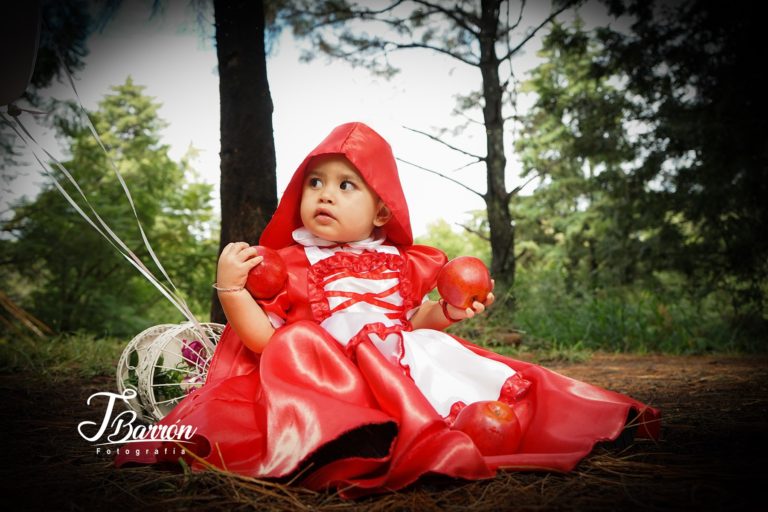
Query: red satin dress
[(348, 395)]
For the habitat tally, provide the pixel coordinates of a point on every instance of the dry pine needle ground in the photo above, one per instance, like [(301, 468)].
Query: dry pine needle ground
[(712, 455)]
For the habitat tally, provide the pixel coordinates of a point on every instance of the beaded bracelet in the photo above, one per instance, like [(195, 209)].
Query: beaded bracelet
[(444, 306), (217, 288)]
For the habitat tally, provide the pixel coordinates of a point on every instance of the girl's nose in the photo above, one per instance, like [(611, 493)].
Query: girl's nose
[(326, 196)]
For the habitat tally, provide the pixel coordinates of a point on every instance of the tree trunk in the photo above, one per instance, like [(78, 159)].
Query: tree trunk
[(502, 230), (248, 184)]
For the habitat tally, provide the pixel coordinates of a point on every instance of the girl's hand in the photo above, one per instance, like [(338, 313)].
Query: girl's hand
[(476, 308), (236, 260)]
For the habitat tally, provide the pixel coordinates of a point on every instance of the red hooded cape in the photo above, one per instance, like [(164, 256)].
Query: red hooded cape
[(349, 419), (372, 157)]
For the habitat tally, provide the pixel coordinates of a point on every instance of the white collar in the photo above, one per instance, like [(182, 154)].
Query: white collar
[(304, 237)]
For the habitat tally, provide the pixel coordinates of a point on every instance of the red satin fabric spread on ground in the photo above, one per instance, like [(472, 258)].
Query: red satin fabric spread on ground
[(346, 417)]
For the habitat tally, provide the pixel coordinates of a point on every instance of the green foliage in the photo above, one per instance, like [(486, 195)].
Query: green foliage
[(465, 243), (575, 138), (552, 315), (691, 67), (627, 319), (633, 216), (166, 380), (68, 275)]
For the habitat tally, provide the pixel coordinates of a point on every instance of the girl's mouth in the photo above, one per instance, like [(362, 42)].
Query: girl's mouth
[(323, 216)]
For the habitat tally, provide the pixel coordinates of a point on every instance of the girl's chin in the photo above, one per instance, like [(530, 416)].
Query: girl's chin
[(325, 232), (336, 236)]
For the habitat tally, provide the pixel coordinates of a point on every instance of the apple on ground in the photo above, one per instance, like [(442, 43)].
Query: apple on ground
[(492, 425), (464, 280), (266, 279)]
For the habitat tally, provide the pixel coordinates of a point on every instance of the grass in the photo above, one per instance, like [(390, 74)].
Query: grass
[(542, 322), (625, 319), (61, 356)]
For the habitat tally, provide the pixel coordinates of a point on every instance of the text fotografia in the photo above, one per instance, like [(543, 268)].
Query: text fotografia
[(121, 429), (146, 451)]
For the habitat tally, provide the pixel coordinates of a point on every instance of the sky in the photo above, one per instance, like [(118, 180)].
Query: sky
[(176, 63)]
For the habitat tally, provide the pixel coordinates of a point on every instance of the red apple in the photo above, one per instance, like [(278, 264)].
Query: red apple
[(464, 280), (267, 278), (492, 425)]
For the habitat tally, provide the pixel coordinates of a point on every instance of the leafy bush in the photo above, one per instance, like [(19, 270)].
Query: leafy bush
[(626, 319)]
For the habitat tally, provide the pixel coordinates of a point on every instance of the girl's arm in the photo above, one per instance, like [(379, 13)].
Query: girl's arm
[(243, 312), (432, 315), (247, 319)]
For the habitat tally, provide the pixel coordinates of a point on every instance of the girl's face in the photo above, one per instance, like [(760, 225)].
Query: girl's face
[(337, 204)]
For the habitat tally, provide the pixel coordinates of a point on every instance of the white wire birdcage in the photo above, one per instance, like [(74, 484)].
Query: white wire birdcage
[(164, 363), (132, 357)]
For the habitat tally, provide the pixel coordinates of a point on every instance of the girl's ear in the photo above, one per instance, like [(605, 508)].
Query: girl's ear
[(382, 215)]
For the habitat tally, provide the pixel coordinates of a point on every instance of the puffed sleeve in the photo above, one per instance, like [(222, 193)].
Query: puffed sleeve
[(423, 263), (291, 303), (276, 308)]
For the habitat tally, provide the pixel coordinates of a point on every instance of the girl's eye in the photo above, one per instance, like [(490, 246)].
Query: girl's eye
[(315, 183), (347, 185)]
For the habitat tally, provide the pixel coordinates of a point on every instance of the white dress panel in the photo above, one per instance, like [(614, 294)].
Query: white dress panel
[(445, 371)]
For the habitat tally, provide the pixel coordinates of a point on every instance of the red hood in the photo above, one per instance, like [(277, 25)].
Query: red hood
[(372, 157)]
